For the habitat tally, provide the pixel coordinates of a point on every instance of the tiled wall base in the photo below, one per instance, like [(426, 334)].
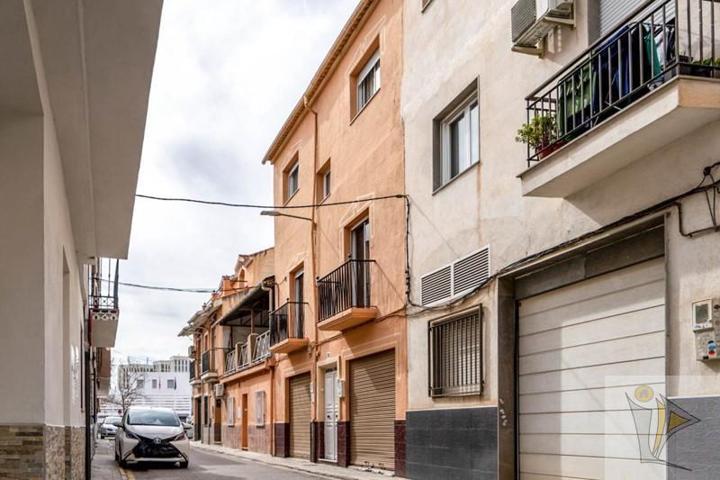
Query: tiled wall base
[(42, 452)]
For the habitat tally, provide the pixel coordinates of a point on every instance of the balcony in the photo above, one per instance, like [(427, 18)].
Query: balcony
[(287, 332), (193, 373), (652, 80), (207, 369), (344, 296), (248, 354), (103, 304)]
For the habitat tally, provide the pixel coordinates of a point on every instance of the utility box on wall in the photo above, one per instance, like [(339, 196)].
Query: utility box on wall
[(706, 326)]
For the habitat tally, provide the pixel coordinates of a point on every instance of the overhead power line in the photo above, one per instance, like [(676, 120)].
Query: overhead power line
[(258, 206)]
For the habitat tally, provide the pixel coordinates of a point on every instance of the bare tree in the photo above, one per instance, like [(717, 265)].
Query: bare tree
[(129, 387)]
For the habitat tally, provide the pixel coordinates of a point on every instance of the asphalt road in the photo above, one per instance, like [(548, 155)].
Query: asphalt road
[(203, 465)]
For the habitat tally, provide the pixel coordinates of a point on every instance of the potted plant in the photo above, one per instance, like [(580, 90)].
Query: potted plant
[(540, 134)]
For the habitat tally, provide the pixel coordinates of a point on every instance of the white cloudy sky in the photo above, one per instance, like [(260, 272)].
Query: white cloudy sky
[(227, 74)]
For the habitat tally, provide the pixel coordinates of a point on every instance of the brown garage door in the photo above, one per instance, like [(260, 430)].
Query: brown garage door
[(300, 416), (372, 410)]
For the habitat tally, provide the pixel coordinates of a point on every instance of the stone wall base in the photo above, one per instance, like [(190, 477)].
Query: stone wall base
[(42, 452)]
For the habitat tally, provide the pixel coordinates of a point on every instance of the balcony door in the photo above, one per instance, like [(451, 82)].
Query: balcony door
[(360, 251), (297, 314)]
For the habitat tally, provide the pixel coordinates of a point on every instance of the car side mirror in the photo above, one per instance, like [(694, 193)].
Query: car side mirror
[(117, 424)]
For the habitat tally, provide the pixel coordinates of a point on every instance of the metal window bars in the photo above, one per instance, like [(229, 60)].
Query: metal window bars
[(286, 322), (348, 286), (657, 42)]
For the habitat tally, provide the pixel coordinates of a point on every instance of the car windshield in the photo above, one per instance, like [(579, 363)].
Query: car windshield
[(153, 417), (111, 420)]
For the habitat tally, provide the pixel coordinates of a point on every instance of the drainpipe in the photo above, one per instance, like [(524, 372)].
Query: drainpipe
[(313, 260)]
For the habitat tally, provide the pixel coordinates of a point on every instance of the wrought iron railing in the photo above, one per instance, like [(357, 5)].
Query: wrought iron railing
[(205, 361), (658, 41), (230, 361), (262, 347), (287, 322), (103, 285), (348, 286)]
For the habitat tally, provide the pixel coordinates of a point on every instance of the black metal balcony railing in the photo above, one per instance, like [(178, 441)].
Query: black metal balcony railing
[(657, 42), (346, 287), (205, 362), (287, 322), (193, 371), (103, 285)]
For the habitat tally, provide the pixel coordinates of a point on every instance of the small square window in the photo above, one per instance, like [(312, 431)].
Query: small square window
[(171, 384), (368, 81)]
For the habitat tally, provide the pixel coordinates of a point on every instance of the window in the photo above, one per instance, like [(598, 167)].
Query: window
[(155, 383), (455, 355), (457, 138), (292, 177), (298, 305), (140, 383), (171, 384), (230, 410), (323, 182), (260, 408), (368, 82)]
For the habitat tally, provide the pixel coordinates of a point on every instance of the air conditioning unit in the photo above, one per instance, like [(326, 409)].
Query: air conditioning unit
[(533, 20), (191, 351), (219, 390)]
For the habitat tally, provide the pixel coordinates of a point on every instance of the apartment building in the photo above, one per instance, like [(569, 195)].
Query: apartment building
[(339, 330), (70, 142), (565, 292), (232, 370), (159, 383)]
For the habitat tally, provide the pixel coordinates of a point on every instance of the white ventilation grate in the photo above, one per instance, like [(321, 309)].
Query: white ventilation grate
[(437, 286), (470, 272), (458, 278)]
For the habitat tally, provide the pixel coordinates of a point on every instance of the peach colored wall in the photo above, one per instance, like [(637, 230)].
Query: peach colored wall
[(366, 160)]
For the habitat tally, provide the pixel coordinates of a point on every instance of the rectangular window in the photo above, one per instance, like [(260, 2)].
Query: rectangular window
[(368, 81), (292, 179), (230, 407), (326, 185), (171, 384), (456, 137), (140, 383), (154, 383), (260, 408), (455, 355)]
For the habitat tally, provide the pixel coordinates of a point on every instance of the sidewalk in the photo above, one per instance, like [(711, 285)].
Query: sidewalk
[(104, 466), (323, 469)]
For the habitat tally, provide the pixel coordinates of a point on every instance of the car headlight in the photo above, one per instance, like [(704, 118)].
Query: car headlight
[(130, 434), (178, 437)]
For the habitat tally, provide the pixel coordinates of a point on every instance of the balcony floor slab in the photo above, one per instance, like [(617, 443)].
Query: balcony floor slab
[(349, 318), (289, 345)]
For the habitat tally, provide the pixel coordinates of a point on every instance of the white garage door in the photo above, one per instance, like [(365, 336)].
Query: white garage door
[(582, 349)]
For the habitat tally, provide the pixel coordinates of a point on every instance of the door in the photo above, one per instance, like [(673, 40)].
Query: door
[(585, 351), (360, 250), (331, 415), (372, 410), (613, 11), (244, 424), (217, 421), (300, 416)]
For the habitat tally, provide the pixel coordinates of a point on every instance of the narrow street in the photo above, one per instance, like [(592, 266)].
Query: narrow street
[(208, 466)]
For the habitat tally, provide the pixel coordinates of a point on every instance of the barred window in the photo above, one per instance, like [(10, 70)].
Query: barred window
[(455, 355)]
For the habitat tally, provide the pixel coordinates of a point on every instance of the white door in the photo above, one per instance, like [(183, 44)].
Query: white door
[(331, 415), (585, 352)]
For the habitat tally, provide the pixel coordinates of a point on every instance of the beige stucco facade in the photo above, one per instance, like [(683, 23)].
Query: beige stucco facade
[(450, 45)]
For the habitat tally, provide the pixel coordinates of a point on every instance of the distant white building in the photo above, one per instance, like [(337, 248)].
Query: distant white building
[(160, 383)]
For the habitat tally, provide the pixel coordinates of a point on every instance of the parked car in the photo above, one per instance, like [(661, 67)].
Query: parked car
[(189, 430), (107, 428), (147, 434)]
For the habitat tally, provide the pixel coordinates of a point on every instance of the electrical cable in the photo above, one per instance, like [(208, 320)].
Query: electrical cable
[(273, 207)]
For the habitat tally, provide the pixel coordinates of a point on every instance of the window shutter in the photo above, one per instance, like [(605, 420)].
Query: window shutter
[(230, 411), (470, 272), (613, 11), (260, 408), (436, 286)]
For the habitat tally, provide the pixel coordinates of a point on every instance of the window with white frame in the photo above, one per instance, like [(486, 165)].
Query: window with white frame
[(292, 179), (260, 408), (368, 81), (155, 383), (457, 137), (230, 410), (326, 184), (171, 384)]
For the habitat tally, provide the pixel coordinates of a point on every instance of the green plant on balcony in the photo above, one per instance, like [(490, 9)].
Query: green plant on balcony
[(540, 134)]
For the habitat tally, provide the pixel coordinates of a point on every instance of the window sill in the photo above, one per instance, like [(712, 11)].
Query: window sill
[(365, 106), (452, 180)]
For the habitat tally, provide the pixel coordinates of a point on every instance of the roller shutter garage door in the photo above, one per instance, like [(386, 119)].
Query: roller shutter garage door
[(300, 416), (584, 349), (613, 11), (372, 410)]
